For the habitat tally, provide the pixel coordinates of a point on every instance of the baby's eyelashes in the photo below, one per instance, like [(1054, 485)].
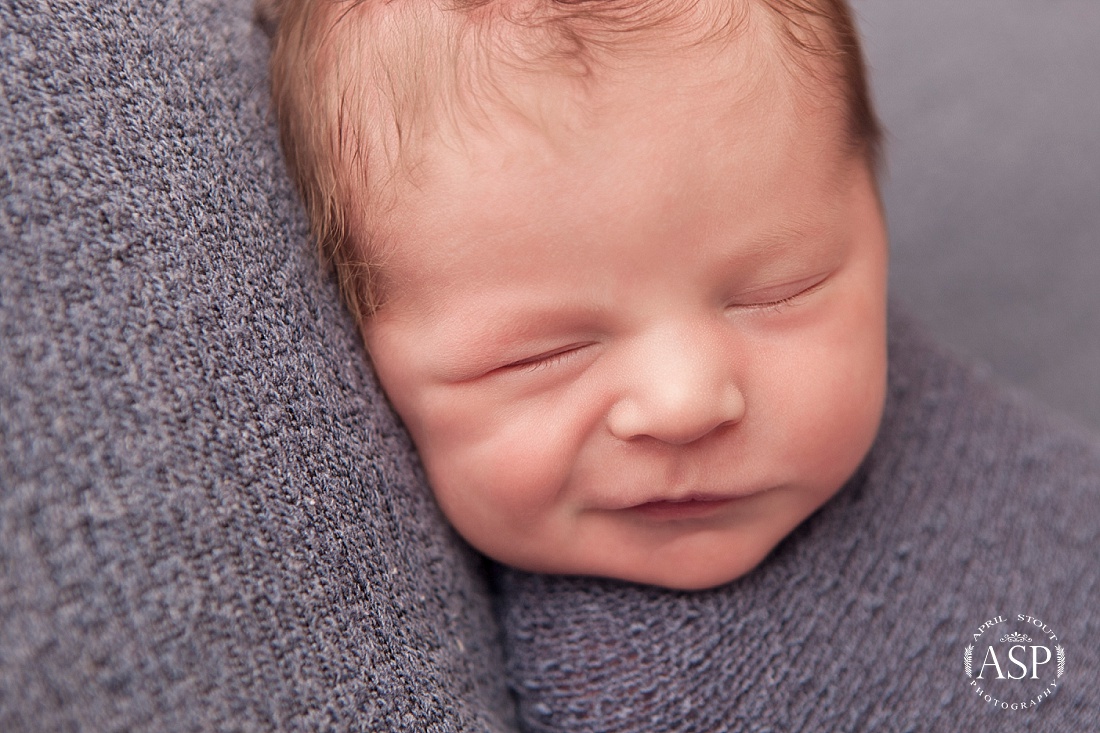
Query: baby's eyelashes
[(548, 359), (777, 297)]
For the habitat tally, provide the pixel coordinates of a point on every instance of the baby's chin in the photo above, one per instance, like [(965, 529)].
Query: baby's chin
[(694, 579), (673, 573)]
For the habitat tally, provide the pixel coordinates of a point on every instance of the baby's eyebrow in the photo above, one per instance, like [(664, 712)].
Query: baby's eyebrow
[(784, 247), (779, 239)]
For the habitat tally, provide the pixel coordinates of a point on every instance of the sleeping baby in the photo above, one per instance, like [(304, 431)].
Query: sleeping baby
[(620, 266)]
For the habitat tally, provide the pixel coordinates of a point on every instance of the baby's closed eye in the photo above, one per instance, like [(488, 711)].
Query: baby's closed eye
[(778, 296), (548, 359)]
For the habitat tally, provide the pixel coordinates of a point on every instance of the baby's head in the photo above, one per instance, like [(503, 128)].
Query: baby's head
[(620, 266)]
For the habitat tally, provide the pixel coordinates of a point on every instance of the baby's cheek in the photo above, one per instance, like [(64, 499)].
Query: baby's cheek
[(504, 492), (851, 397), (518, 471), (822, 402)]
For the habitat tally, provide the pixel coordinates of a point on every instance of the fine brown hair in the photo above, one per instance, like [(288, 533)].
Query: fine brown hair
[(356, 83)]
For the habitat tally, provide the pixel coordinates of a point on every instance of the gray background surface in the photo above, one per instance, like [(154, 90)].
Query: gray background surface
[(993, 181)]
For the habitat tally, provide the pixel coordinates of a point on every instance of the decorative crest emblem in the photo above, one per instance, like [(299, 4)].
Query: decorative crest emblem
[(1007, 669)]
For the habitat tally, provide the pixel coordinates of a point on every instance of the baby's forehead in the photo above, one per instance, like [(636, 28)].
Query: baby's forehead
[(689, 171), (484, 64), (402, 77)]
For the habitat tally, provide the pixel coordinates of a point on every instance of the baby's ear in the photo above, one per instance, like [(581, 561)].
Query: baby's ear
[(266, 14)]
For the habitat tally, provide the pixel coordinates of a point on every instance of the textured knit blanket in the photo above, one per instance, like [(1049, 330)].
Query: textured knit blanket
[(971, 508)]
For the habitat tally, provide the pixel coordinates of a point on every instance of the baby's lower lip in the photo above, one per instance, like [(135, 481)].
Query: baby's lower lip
[(690, 509)]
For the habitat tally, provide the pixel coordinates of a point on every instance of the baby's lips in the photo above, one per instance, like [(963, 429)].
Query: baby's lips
[(690, 507), (699, 497)]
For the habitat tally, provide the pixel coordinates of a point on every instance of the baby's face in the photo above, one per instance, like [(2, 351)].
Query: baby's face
[(644, 337)]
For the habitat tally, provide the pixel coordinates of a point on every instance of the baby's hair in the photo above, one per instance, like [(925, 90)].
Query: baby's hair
[(356, 83)]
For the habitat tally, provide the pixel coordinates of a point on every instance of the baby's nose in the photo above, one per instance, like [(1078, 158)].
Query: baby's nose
[(681, 387)]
